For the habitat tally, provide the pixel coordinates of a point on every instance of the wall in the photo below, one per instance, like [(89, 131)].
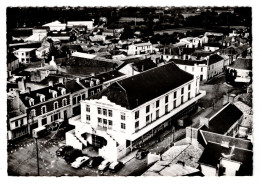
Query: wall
[(208, 171)]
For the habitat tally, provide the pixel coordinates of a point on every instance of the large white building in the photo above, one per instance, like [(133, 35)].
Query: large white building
[(131, 111), (140, 48)]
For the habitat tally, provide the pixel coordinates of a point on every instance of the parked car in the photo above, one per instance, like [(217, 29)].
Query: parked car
[(61, 151), (72, 155), (79, 161), (104, 165), (115, 166), (141, 153), (94, 161)]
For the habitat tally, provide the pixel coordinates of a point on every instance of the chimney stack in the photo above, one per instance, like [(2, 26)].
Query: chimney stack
[(51, 83), (28, 90)]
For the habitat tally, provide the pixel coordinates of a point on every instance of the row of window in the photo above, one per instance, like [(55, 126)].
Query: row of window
[(44, 108), (105, 112), (166, 101), (77, 99), (17, 123)]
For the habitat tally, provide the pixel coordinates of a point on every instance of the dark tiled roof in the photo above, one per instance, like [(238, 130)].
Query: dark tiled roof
[(11, 57), (243, 63), (218, 138), (143, 65), (73, 86), (214, 59), (201, 53), (170, 50), (103, 77), (44, 91), (221, 122), (188, 62), (187, 51), (138, 89), (213, 44), (213, 153)]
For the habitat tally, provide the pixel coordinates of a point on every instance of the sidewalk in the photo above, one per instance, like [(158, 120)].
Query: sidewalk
[(128, 157)]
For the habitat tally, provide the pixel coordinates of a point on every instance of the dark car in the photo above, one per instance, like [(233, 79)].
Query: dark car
[(61, 151), (141, 153), (71, 155), (94, 161), (115, 166)]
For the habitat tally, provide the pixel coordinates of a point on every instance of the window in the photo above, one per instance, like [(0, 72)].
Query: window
[(174, 104), (201, 69), (16, 124), (74, 100), (166, 99), (147, 108), (157, 114), (110, 113), (55, 105), (110, 123), (147, 118), (137, 114), (43, 109), (123, 126), (122, 116), (99, 120), (98, 90), (174, 95), (87, 108), (21, 121), (64, 102), (44, 121), (99, 110), (137, 124), (105, 112), (92, 93), (79, 99), (181, 99), (88, 117), (189, 95), (189, 87), (166, 109), (105, 121), (83, 96), (182, 90), (33, 113), (157, 103)]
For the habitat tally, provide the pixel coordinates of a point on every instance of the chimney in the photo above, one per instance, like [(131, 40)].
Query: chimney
[(21, 84), (77, 79), (28, 90), (9, 74), (61, 80), (51, 83)]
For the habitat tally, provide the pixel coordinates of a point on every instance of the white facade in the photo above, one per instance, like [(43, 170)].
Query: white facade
[(56, 25), (120, 127), (24, 55), (201, 70), (242, 75), (42, 51), (17, 127), (140, 48), (215, 68)]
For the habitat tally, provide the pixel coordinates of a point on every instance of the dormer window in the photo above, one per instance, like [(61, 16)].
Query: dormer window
[(32, 113), (54, 94), (43, 109), (64, 102), (55, 105), (31, 101), (62, 90)]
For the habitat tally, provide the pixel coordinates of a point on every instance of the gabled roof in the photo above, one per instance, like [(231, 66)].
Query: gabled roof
[(143, 65), (214, 59), (44, 91), (214, 152), (224, 119), (73, 86), (141, 88), (188, 62), (243, 63)]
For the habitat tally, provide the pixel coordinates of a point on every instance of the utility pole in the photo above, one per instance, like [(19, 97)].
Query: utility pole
[(37, 156)]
